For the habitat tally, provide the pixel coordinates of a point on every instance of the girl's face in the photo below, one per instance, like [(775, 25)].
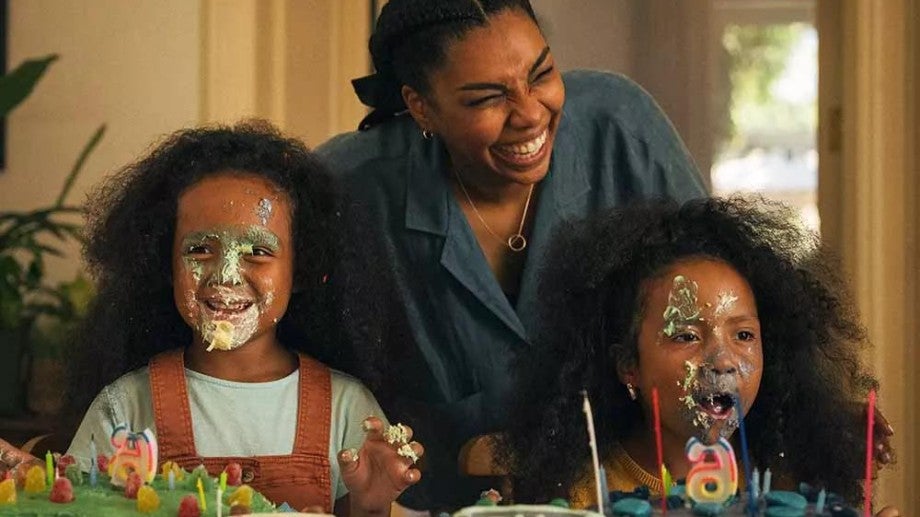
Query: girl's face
[(232, 259), (699, 344), (496, 102)]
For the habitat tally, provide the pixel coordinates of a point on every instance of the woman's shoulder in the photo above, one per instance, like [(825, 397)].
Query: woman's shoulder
[(594, 95), (356, 149)]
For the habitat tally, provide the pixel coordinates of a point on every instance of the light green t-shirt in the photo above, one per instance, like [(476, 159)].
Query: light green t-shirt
[(230, 418)]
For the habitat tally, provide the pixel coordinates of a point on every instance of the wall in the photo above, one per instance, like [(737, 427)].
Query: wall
[(131, 65)]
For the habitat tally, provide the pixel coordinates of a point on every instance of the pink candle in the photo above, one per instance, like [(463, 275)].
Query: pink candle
[(870, 442)]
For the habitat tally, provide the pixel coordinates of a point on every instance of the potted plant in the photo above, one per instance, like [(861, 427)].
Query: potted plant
[(26, 239)]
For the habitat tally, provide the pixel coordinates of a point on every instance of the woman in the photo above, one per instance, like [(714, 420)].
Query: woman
[(496, 147)]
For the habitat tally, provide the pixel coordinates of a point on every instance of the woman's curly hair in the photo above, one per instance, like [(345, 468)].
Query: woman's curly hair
[(131, 221), (806, 423)]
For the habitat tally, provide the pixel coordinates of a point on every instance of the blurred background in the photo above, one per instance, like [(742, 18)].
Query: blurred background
[(812, 102)]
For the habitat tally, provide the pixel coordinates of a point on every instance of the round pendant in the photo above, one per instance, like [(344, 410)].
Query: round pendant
[(517, 242)]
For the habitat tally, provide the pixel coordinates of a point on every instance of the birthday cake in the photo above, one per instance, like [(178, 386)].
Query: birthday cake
[(73, 494), (807, 501)]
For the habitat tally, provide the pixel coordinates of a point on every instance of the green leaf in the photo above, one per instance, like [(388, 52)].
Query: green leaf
[(18, 84), (84, 154)]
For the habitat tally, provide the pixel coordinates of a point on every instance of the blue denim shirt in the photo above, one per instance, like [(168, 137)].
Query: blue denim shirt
[(614, 144)]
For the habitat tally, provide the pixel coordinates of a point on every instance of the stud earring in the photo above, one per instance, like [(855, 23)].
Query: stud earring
[(633, 394), (427, 135)]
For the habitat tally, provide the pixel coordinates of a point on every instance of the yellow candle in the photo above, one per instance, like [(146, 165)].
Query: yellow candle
[(204, 504), (223, 481)]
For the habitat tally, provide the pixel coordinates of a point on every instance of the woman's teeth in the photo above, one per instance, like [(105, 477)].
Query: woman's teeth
[(526, 148)]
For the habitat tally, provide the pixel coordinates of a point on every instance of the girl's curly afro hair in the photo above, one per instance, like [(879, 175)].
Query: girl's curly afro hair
[(131, 220), (806, 423)]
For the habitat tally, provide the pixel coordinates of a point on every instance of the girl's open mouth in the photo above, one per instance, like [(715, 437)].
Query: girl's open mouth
[(228, 308), (716, 405)]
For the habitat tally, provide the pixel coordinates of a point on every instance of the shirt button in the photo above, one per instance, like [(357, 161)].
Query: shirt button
[(248, 475)]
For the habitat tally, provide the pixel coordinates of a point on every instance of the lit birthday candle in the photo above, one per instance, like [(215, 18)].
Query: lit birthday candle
[(592, 443)]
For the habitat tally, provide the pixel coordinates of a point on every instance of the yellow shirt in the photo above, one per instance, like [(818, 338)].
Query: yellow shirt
[(623, 474)]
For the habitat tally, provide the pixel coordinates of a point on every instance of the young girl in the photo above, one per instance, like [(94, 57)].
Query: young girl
[(713, 303), (213, 258)]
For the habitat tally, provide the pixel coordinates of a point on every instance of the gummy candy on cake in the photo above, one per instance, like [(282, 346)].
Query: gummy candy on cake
[(147, 500), (132, 484), (234, 474), (61, 491), (188, 507)]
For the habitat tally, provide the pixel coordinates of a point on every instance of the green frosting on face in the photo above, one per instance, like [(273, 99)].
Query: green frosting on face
[(682, 305), (234, 243)]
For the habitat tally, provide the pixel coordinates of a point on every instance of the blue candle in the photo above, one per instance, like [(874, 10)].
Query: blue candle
[(819, 504), (767, 477), (752, 501), (93, 468), (604, 503), (172, 480), (756, 484)]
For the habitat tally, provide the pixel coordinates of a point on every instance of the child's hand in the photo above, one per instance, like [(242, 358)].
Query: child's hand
[(13, 459), (889, 511), (382, 469)]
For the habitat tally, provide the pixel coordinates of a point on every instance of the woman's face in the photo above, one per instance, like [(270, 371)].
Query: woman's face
[(699, 344), (496, 101)]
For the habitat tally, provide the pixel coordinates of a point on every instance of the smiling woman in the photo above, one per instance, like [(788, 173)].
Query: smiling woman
[(477, 148)]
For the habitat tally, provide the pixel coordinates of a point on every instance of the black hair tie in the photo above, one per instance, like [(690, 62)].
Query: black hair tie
[(382, 92)]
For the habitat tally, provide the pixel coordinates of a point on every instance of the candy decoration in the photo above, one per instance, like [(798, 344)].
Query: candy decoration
[(62, 491), (188, 507), (63, 462), (234, 474), (7, 491), (74, 474), (132, 484), (147, 499), (102, 461), (242, 496), (240, 510), (35, 480)]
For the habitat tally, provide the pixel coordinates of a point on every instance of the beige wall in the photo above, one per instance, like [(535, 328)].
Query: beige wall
[(593, 34), (131, 65), (149, 67)]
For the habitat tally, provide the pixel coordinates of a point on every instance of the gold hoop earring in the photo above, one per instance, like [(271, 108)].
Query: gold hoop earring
[(633, 393), (427, 135)]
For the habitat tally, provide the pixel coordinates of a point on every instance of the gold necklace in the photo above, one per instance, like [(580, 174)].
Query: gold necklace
[(516, 242)]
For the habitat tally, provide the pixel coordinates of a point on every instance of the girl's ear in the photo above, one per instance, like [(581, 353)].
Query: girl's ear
[(627, 373), (419, 108)]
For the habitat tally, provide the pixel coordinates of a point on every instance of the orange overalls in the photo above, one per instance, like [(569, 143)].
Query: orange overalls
[(301, 478)]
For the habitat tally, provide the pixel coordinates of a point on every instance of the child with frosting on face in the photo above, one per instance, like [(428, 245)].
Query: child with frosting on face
[(730, 310), (213, 258)]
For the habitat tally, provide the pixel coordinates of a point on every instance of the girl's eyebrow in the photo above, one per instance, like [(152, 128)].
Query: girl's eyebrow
[(501, 87)]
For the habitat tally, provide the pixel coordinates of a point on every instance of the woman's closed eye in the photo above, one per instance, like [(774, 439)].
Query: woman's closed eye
[(483, 101), (543, 74)]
